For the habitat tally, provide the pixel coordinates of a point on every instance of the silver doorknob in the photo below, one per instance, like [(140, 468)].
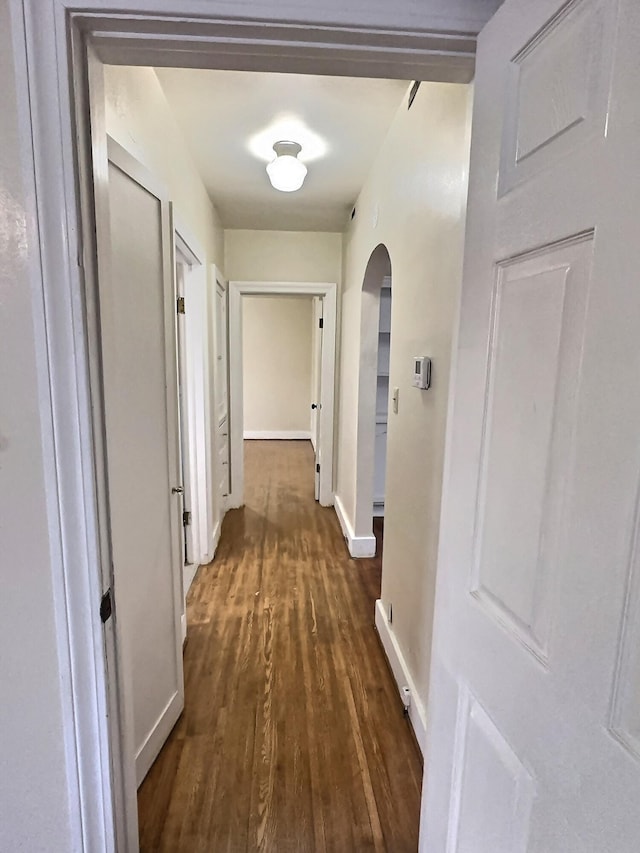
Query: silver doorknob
[(177, 490)]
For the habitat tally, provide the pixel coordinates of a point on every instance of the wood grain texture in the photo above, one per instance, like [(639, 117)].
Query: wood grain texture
[(293, 737)]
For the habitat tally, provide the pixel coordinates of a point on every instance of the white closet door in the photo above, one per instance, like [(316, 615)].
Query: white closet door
[(138, 310), (534, 707)]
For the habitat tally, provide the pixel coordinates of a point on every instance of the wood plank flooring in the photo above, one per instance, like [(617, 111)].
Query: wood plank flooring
[(293, 737)]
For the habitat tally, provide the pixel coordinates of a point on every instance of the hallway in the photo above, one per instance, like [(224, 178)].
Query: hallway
[(292, 738)]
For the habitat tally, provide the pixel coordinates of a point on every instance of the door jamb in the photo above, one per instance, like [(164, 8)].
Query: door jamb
[(54, 59), (198, 419), (328, 292)]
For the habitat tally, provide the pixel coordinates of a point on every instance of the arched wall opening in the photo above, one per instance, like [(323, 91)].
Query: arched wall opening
[(377, 276)]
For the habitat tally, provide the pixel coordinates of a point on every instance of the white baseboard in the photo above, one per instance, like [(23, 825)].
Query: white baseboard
[(216, 538), (400, 670), (359, 546), (278, 434), (190, 572)]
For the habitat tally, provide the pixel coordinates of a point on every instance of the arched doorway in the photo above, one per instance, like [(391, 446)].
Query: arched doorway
[(373, 392)]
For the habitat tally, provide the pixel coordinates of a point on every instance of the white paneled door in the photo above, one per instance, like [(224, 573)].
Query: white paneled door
[(534, 707), (137, 307)]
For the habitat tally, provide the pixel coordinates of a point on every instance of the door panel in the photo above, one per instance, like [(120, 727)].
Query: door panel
[(141, 406), (533, 708)]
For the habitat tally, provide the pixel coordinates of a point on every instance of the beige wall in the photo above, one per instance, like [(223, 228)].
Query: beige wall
[(413, 201), (288, 256), (34, 808), (276, 354), (139, 118), (283, 256)]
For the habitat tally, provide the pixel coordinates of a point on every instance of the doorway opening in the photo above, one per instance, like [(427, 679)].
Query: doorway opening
[(254, 352), (373, 396), (281, 372), (344, 62), (194, 404), (382, 399)]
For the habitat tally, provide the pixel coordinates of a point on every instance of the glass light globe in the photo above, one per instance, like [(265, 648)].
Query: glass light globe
[(286, 172)]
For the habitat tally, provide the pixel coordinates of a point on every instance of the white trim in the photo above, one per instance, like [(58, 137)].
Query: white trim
[(402, 675), (278, 434), (187, 242), (194, 337), (328, 292), (215, 539), (186, 420), (300, 38), (190, 572), (375, 276), (359, 546)]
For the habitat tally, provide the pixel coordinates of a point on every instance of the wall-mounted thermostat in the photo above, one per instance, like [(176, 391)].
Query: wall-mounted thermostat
[(422, 372)]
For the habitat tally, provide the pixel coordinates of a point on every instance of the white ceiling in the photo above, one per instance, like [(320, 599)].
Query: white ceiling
[(232, 118)]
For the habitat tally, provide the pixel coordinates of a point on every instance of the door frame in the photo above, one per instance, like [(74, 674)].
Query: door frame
[(326, 291), (198, 404), (59, 48)]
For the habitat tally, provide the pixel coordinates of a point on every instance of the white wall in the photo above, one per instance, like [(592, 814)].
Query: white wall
[(413, 202), (34, 806), (277, 363)]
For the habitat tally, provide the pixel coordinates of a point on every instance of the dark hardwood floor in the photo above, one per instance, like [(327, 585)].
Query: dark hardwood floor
[(292, 737)]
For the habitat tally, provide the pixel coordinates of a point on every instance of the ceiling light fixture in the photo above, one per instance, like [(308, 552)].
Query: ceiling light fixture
[(286, 172)]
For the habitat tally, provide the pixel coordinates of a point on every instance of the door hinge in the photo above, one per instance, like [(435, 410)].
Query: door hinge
[(318, 468), (186, 518), (106, 606), (321, 323), (180, 304)]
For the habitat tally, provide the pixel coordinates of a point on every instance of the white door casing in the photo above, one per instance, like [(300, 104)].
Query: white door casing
[(137, 310), (221, 395), (316, 389), (187, 444), (197, 390), (533, 733), (327, 291)]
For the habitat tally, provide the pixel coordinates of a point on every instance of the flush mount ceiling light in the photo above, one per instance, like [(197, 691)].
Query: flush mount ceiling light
[(286, 172)]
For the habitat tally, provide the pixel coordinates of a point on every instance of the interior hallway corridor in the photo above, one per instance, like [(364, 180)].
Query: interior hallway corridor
[(293, 737)]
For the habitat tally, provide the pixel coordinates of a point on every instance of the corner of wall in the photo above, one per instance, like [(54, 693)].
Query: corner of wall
[(359, 546)]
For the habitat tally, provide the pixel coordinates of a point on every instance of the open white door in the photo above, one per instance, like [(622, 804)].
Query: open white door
[(316, 389), (137, 309), (534, 707)]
